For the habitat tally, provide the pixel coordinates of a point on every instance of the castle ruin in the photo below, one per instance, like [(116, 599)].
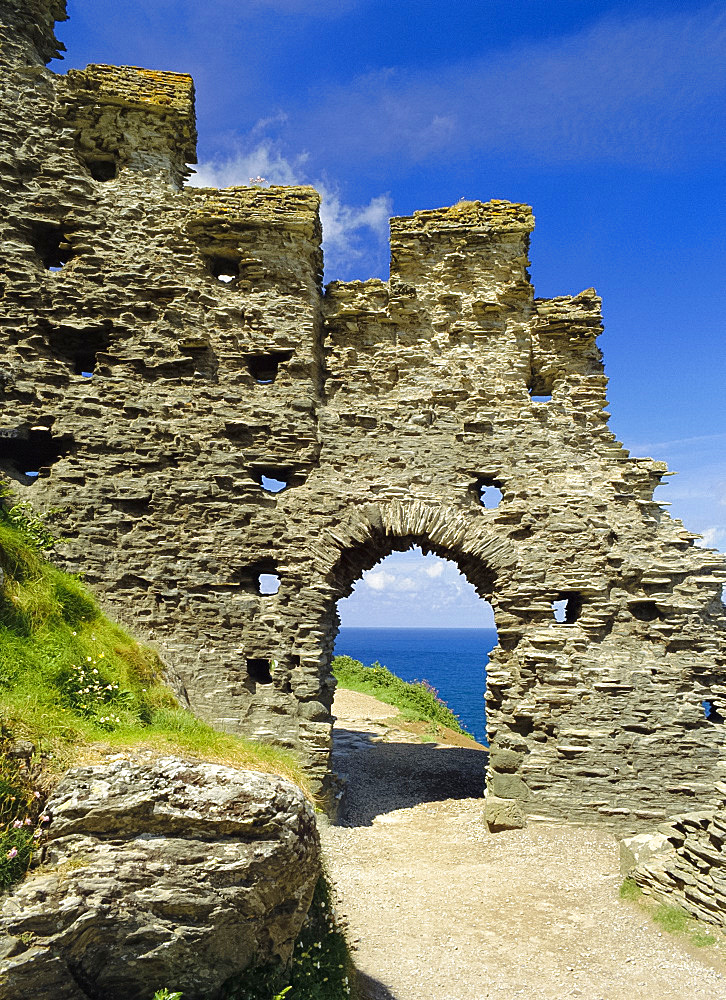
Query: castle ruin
[(168, 352)]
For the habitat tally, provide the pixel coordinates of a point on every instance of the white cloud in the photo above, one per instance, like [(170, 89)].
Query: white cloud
[(409, 589), (263, 160), (380, 580), (351, 233), (713, 538), (377, 579)]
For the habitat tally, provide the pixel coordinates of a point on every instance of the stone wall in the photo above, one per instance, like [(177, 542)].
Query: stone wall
[(684, 863), (219, 363)]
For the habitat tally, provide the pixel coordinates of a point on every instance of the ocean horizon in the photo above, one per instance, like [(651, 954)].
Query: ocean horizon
[(451, 660)]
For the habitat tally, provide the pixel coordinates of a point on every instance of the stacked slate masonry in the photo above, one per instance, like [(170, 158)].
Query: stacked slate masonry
[(168, 351)]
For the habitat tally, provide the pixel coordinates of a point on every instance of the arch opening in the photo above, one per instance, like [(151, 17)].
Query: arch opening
[(415, 612)]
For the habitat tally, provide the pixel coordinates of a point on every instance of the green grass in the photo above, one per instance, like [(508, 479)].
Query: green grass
[(676, 920), (417, 701), (630, 890), (669, 918), (78, 687)]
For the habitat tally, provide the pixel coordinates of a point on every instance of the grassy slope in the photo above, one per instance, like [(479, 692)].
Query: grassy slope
[(415, 701), (77, 686)]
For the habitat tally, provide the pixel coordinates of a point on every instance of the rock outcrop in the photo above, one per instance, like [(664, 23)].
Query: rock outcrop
[(159, 872), (684, 862), (230, 447)]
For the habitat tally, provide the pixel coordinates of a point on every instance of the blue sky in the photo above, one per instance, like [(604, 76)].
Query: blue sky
[(608, 117)]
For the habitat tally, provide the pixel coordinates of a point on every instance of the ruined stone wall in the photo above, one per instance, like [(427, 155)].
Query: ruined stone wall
[(684, 863), (218, 363)]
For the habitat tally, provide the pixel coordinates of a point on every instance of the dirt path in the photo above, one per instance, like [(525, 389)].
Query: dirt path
[(440, 910)]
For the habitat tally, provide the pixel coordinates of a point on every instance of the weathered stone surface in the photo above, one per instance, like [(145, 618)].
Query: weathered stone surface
[(386, 407), (641, 848), (159, 872), (684, 863), (503, 814)]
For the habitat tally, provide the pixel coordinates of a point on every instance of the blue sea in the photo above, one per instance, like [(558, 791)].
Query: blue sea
[(452, 660)]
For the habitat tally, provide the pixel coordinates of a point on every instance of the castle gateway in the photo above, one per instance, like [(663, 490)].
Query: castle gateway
[(230, 446)]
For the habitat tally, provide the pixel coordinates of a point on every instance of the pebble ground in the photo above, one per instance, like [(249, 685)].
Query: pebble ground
[(440, 910)]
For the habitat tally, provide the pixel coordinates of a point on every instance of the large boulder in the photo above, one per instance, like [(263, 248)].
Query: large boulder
[(159, 872)]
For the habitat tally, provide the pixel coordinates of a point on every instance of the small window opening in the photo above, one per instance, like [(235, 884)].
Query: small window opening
[(490, 496), (224, 269), (78, 348), (31, 451), (271, 485), (102, 168), (268, 583), (566, 608), (264, 368), (711, 712), (540, 388), (488, 490), (259, 578), (52, 245), (260, 671), (644, 611)]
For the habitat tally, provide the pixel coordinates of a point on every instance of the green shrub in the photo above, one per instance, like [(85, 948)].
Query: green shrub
[(21, 515), (21, 818), (417, 700)]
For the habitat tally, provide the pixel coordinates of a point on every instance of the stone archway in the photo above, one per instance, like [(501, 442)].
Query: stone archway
[(376, 530)]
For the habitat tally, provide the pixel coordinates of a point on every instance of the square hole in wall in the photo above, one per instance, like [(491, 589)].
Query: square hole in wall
[(540, 387), (51, 242), (29, 451), (78, 348), (268, 583), (224, 269), (102, 168), (264, 368), (566, 607), (488, 490), (273, 480), (260, 670)]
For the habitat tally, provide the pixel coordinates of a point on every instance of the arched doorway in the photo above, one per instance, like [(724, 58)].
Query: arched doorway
[(418, 615), (375, 532)]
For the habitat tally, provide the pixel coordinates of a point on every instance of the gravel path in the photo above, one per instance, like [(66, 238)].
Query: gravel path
[(440, 910)]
